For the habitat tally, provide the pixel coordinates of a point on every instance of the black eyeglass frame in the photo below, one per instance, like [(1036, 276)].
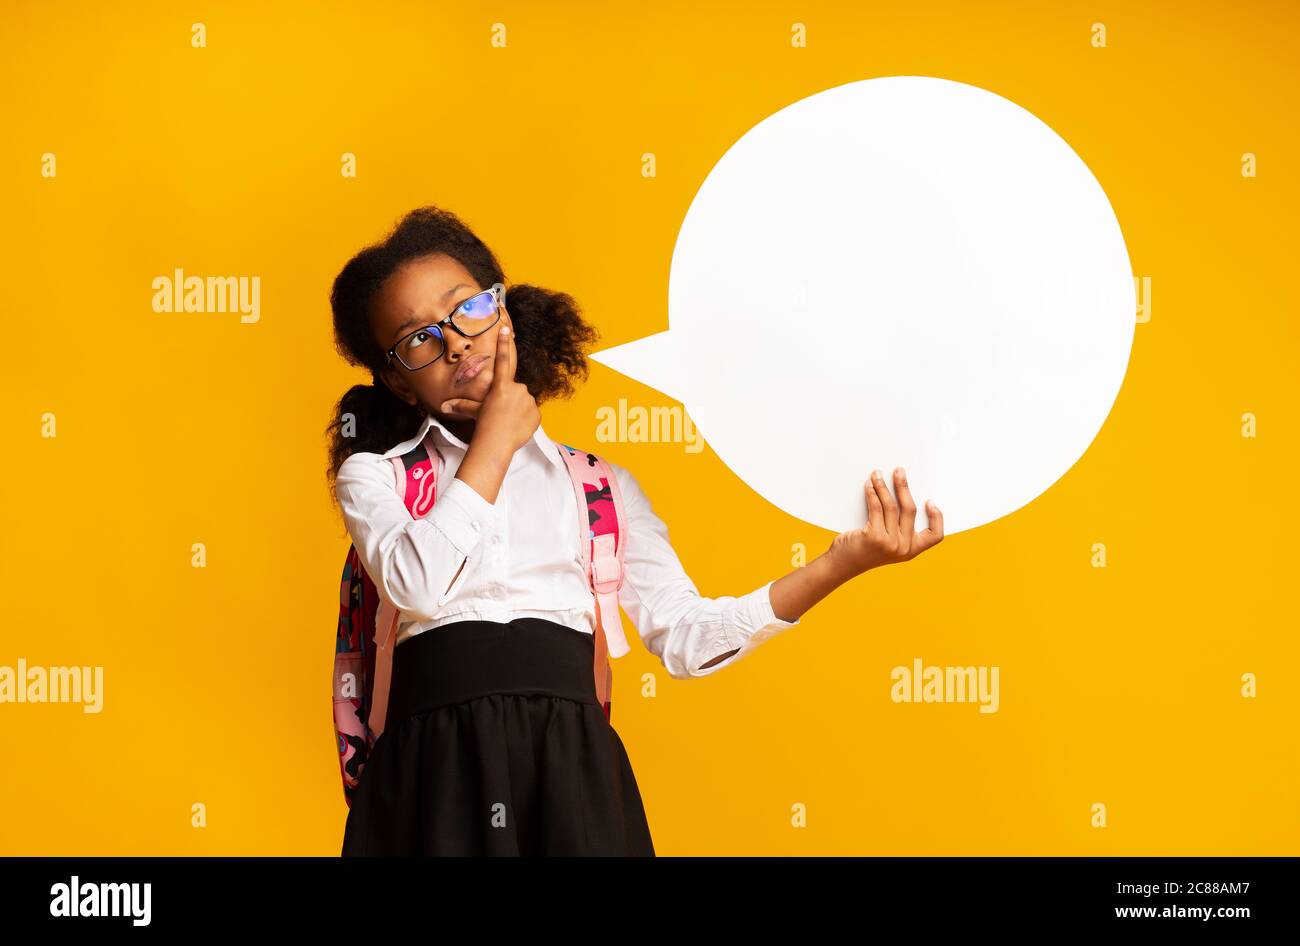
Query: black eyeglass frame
[(498, 291)]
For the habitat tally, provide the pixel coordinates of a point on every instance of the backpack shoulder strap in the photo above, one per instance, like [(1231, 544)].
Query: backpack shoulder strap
[(602, 530), (415, 477), (367, 627)]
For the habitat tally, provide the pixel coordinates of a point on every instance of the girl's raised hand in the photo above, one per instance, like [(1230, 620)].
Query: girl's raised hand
[(509, 413), (889, 535)]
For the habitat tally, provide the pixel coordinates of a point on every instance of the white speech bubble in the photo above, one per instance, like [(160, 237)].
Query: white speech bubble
[(902, 271)]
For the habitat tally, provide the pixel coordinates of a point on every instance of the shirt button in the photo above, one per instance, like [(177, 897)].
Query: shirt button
[(475, 525)]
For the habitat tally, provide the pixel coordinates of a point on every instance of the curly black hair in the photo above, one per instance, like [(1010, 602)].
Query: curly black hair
[(550, 335)]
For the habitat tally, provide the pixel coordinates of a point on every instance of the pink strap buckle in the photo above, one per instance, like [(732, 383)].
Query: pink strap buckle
[(606, 569)]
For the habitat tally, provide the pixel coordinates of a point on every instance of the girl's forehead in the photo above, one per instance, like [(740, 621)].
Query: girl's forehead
[(432, 271), (422, 289)]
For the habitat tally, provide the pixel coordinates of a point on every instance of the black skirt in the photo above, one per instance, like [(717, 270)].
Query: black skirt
[(495, 744)]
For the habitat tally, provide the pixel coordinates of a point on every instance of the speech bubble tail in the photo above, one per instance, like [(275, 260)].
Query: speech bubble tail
[(655, 360)]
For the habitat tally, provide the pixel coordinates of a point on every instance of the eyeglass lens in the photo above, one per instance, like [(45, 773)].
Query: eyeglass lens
[(474, 316)]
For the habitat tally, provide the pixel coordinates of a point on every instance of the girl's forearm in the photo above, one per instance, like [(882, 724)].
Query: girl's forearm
[(795, 593), (485, 465)]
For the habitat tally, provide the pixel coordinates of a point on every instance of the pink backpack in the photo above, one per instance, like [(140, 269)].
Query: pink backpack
[(367, 625)]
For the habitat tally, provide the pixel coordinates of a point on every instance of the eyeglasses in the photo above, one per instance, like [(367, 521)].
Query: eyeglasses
[(474, 316)]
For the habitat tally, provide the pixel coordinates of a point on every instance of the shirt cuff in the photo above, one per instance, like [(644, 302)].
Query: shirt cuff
[(765, 618), (754, 623), (462, 515)]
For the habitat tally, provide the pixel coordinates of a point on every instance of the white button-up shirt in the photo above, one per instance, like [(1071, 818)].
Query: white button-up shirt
[(524, 559)]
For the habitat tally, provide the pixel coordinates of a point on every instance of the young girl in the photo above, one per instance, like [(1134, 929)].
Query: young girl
[(495, 741)]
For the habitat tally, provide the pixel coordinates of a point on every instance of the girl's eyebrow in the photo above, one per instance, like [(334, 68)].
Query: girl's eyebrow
[(418, 320)]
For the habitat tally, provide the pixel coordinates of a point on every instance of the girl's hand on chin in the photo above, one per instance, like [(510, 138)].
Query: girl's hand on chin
[(890, 535), (508, 413)]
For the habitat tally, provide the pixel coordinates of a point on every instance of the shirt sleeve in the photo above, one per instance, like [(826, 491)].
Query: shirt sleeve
[(411, 561), (676, 624)]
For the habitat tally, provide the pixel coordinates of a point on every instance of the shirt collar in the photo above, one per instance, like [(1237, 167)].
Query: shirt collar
[(543, 443)]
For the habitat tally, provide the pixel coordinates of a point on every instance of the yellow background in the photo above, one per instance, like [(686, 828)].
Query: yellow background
[(1119, 685)]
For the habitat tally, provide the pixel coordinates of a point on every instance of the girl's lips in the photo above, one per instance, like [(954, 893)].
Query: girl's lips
[(470, 368)]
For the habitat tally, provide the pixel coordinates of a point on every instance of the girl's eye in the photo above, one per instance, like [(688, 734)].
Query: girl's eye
[(418, 339)]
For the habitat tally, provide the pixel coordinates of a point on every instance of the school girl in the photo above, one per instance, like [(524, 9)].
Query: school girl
[(495, 741)]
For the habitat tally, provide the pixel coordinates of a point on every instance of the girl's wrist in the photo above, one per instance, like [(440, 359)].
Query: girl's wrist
[(484, 468), (838, 570), (490, 447)]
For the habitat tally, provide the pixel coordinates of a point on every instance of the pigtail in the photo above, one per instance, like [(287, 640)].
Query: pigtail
[(369, 418)]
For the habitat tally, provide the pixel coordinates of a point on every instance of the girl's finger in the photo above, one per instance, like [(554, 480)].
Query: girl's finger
[(875, 512), (513, 355), (932, 534), (502, 370), (462, 406), (890, 516), (906, 504)]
